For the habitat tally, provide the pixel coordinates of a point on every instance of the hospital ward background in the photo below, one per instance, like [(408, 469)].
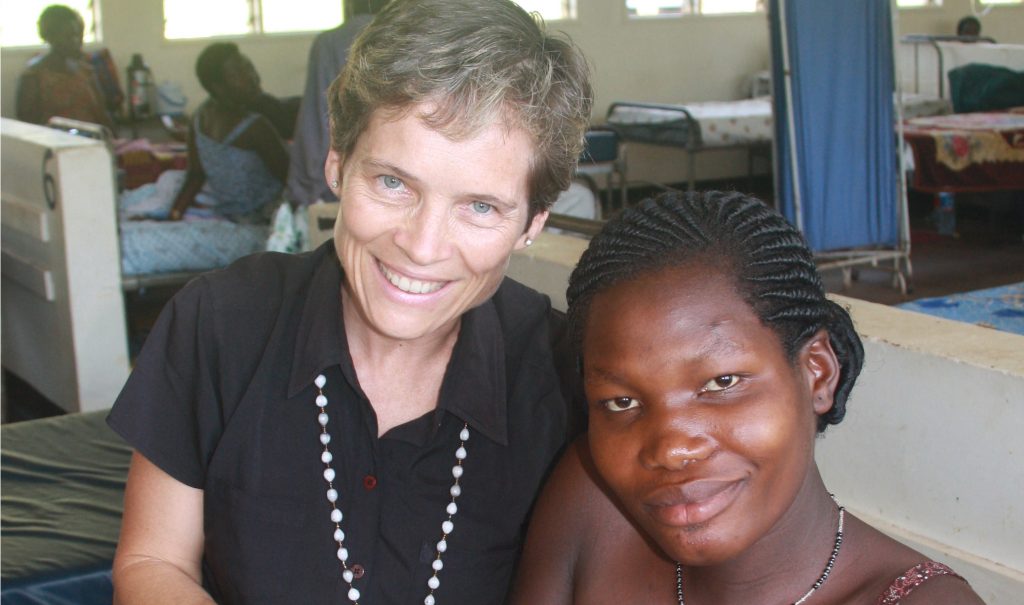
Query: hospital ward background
[(894, 142)]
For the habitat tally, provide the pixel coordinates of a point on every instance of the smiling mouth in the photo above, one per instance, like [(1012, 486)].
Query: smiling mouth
[(411, 286), (692, 503)]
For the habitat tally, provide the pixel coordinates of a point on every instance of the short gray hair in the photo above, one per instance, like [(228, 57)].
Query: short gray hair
[(477, 61)]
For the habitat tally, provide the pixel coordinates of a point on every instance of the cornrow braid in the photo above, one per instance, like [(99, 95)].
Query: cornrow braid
[(774, 270)]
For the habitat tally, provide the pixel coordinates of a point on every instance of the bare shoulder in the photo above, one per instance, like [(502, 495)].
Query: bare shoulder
[(877, 565), (577, 533)]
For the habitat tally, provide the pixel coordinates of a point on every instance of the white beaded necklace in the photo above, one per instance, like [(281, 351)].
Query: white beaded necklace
[(332, 496)]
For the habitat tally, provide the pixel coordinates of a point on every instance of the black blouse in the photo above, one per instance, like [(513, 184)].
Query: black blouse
[(222, 399)]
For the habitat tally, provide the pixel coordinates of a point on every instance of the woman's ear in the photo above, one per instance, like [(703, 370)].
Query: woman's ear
[(333, 170), (820, 367), (532, 230)]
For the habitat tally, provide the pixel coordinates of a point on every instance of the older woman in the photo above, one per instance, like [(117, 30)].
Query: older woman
[(711, 361), (61, 82), (370, 422)]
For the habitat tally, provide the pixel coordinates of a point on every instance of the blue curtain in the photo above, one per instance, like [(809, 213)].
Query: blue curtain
[(840, 55)]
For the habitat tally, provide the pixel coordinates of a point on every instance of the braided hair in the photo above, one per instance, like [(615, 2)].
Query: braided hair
[(774, 270)]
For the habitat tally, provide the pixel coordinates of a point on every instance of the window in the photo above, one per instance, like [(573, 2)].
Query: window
[(19, 20), (204, 19), (672, 8), (917, 3), (550, 10)]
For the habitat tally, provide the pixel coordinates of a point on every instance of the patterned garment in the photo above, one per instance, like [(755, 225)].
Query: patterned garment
[(238, 182), (911, 579), (68, 94)]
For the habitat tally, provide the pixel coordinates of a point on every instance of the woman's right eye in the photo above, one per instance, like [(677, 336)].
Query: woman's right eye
[(391, 182), (620, 404)]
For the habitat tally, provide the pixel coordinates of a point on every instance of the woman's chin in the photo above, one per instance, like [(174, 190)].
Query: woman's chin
[(698, 546)]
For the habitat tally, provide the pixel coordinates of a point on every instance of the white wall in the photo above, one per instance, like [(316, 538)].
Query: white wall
[(659, 60), (930, 450)]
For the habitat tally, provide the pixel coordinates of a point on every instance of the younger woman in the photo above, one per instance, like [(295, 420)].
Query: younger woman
[(237, 161), (711, 359)]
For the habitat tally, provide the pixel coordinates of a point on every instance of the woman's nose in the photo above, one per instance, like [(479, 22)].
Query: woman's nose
[(425, 235), (673, 441)]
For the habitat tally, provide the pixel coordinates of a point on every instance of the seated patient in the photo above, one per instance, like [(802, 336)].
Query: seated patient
[(237, 162), (61, 82), (711, 360)]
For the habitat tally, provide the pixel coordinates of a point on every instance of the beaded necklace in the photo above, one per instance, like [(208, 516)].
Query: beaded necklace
[(447, 526), (817, 584)]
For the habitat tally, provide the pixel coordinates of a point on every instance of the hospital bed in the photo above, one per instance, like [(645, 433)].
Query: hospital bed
[(157, 253), (714, 125), (972, 152), (696, 127), (63, 485), (64, 262)]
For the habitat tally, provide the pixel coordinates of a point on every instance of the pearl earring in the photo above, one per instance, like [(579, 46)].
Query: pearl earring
[(528, 242)]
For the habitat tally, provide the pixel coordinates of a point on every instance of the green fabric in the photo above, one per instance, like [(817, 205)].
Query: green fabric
[(982, 87), (62, 490)]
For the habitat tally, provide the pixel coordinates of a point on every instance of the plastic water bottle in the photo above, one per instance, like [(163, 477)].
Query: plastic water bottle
[(945, 213)]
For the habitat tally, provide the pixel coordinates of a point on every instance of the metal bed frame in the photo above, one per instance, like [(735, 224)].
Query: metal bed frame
[(684, 133)]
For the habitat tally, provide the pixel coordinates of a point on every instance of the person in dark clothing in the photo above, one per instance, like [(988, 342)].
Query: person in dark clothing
[(327, 57), (370, 422)]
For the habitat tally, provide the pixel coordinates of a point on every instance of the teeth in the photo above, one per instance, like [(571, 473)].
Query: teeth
[(412, 286)]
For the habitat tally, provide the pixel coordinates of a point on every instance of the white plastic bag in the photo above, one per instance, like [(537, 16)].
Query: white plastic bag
[(289, 230)]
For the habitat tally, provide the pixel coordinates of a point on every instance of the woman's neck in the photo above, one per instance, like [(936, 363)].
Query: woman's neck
[(62, 61), (223, 105), (379, 349), (782, 565), (401, 378)]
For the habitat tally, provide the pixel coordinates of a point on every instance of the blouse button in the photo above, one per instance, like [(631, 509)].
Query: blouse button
[(358, 571), (369, 482)]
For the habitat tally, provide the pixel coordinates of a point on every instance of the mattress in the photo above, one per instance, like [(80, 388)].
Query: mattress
[(151, 247), (63, 484), (918, 105), (720, 123)]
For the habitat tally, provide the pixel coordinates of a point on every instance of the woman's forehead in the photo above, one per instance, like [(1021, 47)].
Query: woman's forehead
[(687, 297)]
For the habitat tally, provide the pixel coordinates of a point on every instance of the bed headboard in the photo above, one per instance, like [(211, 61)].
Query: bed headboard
[(63, 312), (923, 62)]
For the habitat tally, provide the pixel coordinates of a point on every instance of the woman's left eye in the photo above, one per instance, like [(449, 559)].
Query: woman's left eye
[(620, 404), (482, 207), (391, 182), (721, 383)]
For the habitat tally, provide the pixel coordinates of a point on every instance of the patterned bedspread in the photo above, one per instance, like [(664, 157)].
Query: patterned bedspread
[(169, 246), (967, 151)]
